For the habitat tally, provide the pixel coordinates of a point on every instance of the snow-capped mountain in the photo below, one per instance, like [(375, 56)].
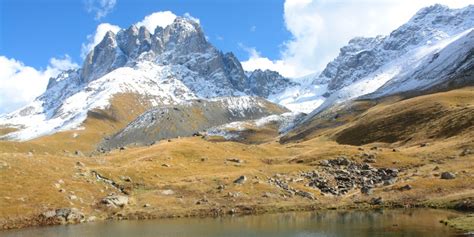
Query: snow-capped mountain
[(424, 52), (175, 64), (168, 66)]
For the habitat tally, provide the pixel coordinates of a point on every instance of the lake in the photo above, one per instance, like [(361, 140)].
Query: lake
[(332, 223)]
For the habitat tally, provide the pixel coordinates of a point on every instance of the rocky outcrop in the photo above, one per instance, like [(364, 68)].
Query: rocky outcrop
[(114, 201), (190, 118), (341, 175), (62, 216)]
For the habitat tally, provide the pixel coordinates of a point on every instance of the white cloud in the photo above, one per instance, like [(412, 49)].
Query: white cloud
[(155, 19), (94, 39), (253, 28), (100, 8), (320, 27), (21, 84), (256, 61)]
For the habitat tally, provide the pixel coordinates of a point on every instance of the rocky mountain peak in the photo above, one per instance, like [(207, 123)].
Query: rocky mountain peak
[(363, 56)]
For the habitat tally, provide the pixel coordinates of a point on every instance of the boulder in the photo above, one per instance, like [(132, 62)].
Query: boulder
[(448, 175), (63, 216), (114, 201), (240, 180)]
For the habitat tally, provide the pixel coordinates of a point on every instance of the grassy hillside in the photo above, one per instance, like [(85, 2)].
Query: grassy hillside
[(193, 176)]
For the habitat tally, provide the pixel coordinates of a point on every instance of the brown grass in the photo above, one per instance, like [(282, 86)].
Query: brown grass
[(194, 167)]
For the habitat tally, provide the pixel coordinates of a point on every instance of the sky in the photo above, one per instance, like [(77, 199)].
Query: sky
[(40, 38)]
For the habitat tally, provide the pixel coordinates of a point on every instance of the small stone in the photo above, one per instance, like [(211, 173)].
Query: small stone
[(466, 152), (114, 201), (167, 192), (80, 164), (146, 205), (324, 163), (72, 197), (405, 188), (376, 201), (166, 165), (448, 175), (389, 181), (240, 180), (366, 190), (78, 153), (235, 160), (3, 164)]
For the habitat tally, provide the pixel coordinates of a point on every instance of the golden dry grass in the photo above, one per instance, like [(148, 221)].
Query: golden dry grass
[(193, 168)]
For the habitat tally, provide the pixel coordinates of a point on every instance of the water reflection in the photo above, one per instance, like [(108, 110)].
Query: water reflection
[(391, 223)]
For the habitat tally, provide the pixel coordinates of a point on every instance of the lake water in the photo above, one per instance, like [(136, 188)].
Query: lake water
[(406, 223)]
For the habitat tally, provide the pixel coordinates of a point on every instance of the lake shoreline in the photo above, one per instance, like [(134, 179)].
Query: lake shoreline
[(465, 212)]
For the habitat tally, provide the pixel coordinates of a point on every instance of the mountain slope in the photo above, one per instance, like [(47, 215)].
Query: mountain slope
[(435, 38), (169, 66), (396, 120), (189, 118)]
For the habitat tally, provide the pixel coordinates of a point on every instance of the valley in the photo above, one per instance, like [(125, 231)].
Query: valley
[(159, 123), (196, 176)]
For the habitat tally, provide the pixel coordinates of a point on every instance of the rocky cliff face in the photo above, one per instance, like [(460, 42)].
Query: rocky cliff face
[(172, 65), (363, 56), (168, 66), (185, 119)]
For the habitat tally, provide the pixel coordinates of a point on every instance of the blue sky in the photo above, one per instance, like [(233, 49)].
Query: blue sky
[(34, 31), (40, 38)]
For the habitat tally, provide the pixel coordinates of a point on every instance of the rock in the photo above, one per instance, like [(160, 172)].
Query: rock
[(235, 160), (126, 178), (202, 201), (405, 188), (423, 144), (268, 195), (114, 201), (366, 190), (466, 152), (389, 181), (221, 187), (305, 194), (63, 216), (376, 201), (233, 194), (146, 205), (167, 192), (324, 163), (49, 214), (448, 175), (370, 160), (4, 165), (166, 165), (80, 164), (72, 197), (78, 153), (240, 180)]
